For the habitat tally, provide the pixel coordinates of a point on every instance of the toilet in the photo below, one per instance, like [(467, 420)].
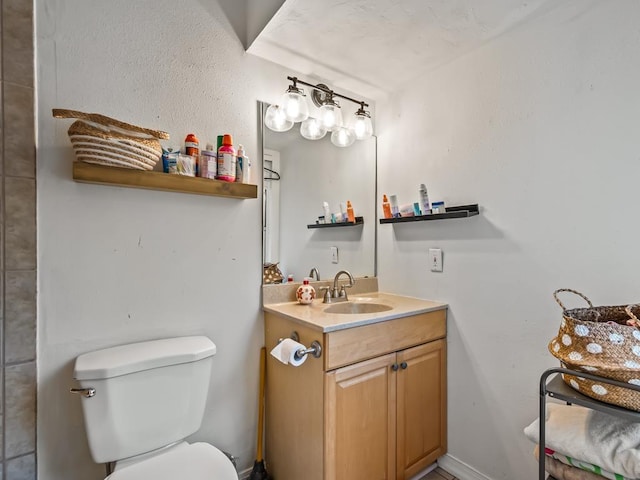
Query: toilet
[(140, 401)]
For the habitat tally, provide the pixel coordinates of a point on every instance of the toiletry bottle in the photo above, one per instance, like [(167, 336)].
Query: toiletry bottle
[(226, 160), (218, 145), (395, 211), (209, 158), (239, 163), (424, 200), (327, 212), (386, 207), (246, 168), (350, 216), (343, 213), (192, 147)]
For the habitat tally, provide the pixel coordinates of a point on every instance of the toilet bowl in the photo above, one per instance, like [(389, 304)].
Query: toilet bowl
[(196, 461), (140, 401)]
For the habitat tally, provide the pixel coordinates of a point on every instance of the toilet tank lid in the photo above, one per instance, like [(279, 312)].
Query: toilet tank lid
[(136, 357)]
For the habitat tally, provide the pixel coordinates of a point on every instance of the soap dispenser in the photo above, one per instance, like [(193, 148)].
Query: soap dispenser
[(305, 293)]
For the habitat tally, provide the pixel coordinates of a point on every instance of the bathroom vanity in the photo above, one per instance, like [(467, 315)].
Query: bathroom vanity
[(372, 405)]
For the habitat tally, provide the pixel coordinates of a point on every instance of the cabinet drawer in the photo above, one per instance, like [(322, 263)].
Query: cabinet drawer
[(352, 345)]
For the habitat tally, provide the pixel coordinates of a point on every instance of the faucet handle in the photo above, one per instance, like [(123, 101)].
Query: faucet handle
[(343, 291), (326, 297)]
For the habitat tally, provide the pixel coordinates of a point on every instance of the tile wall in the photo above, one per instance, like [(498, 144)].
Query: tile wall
[(17, 244)]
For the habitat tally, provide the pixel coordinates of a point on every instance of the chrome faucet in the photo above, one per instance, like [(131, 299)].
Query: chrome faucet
[(333, 294), (314, 272)]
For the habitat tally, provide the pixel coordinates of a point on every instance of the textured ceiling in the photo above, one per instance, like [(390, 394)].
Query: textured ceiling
[(374, 47)]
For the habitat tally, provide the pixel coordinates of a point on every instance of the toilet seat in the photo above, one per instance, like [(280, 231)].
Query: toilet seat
[(196, 461)]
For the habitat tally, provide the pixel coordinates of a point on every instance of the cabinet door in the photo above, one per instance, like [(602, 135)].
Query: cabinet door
[(360, 421), (422, 407)]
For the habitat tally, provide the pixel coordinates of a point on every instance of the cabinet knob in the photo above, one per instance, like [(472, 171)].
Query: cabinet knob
[(403, 365), (394, 367)]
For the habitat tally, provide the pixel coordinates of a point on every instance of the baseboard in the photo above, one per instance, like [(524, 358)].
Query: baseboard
[(455, 467), (244, 474), (425, 472), (460, 469)]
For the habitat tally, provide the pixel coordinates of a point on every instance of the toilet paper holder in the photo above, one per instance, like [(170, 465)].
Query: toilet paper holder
[(315, 349)]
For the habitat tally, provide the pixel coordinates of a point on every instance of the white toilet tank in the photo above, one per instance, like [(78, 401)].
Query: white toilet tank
[(147, 394)]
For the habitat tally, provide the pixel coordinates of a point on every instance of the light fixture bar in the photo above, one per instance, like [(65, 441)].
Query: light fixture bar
[(328, 91)]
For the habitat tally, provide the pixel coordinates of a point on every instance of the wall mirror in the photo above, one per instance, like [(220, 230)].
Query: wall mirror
[(299, 175)]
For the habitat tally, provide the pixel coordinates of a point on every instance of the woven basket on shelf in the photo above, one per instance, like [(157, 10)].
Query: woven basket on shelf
[(106, 141), (604, 341)]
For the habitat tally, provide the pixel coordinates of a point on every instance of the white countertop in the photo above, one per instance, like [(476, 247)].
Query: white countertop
[(315, 317)]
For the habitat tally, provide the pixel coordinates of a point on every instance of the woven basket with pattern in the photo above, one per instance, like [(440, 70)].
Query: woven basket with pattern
[(106, 141), (604, 341)]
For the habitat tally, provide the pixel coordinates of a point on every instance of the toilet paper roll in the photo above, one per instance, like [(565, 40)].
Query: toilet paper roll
[(286, 350)]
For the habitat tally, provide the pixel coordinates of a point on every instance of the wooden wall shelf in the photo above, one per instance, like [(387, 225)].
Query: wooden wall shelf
[(463, 211), (126, 177), (359, 221)]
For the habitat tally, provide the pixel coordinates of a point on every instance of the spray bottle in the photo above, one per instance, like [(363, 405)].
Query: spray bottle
[(386, 207), (350, 215)]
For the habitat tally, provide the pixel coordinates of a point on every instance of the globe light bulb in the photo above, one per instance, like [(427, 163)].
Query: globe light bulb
[(276, 119), (295, 105), (331, 116), (361, 126), (312, 129), (343, 137)]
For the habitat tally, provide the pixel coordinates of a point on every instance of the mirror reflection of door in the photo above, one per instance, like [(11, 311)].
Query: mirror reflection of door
[(271, 205)]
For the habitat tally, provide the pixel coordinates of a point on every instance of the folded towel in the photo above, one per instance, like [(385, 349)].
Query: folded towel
[(579, 464), (594, 437), (560, 471)]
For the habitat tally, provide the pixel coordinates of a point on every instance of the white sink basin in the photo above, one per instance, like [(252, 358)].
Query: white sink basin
[(357, 307)]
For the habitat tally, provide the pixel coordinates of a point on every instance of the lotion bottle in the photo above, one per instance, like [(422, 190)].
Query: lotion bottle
[(240, 164), (246, 169), (327, 213), (395, 211), (424, 199)]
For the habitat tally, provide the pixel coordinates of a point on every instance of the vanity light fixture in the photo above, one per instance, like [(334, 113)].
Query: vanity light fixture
[(294, 109), (276, 119)]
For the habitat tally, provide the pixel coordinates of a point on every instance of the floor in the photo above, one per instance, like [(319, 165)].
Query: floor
[(438, 474)]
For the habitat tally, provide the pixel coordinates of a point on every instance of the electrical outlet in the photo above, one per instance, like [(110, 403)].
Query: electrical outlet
[(334, 254), (435, 259)]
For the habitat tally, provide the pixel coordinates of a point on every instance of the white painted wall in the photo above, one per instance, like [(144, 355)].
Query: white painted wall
[(540, 127), (123, 265)]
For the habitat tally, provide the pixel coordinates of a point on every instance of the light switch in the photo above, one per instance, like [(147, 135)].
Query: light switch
[(435, 259), (334, 254)]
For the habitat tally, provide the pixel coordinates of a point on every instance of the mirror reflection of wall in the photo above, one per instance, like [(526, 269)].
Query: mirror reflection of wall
[(301, 174)]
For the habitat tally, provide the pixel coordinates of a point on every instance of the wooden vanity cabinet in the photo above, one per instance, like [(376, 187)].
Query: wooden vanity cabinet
[(372, 407)]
